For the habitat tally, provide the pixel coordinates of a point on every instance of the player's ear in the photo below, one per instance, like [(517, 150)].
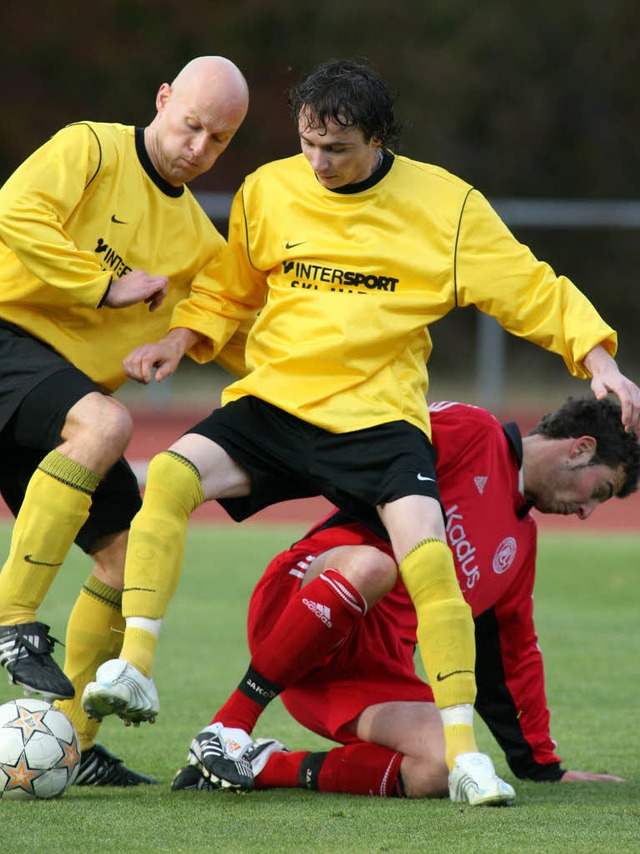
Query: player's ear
[(583, 449), (163, 96)]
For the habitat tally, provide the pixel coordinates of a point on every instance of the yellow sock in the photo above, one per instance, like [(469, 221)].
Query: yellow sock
[(459, 738), (155, 552), (446, 637), (458, 731), (139, 649), (94, 635), (55, 507)]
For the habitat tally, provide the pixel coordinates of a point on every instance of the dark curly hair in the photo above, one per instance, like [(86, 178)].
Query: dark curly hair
[(351, 94), (601, 419)]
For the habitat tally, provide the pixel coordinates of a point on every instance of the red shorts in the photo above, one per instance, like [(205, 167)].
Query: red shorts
[(374, 665)]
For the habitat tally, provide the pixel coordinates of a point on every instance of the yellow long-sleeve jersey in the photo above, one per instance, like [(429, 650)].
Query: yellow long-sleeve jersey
[(347, 284), (86, 207)]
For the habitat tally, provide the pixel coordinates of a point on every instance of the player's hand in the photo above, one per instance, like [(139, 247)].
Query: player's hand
[(587, 777), (137, 286), (606, 377), (163, 357)]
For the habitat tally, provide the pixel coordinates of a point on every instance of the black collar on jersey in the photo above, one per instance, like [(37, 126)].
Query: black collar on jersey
[(372, 180), (513, 434), (145, 161)]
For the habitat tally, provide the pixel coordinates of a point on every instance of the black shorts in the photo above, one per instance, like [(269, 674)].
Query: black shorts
[(288, 458), (25, 361), (33, 429)]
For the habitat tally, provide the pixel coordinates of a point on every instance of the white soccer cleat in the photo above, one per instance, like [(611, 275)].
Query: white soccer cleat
[(473, 780), (122, 690)]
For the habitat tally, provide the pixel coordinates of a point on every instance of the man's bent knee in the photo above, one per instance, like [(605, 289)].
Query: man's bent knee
[(372, 572), (96, 432), (424, 778)]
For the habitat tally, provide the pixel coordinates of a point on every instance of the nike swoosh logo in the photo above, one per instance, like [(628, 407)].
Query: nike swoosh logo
[(441, 678), (119, 221), (422, 477), (29, 559), (292, 245)]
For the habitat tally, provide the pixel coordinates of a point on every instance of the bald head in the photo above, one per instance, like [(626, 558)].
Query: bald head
[(214, 74), (197, 116)]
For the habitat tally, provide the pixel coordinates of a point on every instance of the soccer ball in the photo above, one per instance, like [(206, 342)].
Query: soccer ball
[(39, 750)]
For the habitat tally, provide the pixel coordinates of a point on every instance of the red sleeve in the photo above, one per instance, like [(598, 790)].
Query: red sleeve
[(510, 676)]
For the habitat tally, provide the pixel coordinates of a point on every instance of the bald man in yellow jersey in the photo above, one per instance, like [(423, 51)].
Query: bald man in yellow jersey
[(348, 253), (99, 239)]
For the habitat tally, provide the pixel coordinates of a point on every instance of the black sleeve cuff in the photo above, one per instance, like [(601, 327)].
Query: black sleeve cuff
[(545, 773), (106, 293)]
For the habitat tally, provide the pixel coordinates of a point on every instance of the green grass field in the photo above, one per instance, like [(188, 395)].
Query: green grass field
[(587, 615)]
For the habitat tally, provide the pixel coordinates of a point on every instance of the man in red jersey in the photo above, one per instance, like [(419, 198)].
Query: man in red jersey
[(344, 668)]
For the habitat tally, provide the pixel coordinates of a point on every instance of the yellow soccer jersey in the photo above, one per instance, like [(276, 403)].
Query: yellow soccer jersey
[(347, 284), (86, 207)]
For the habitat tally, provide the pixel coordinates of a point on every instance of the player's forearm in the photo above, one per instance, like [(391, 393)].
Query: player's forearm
[(183, 339), (599, 360)]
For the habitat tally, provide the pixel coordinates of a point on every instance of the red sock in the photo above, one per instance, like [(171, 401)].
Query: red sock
[(355, 769), (281, 771), (316, 621), (240, 711)]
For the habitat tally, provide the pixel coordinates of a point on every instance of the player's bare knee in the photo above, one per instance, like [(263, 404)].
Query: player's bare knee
[(116, 424), (424, 778), (371, 571), (100, 417), (102, 426)]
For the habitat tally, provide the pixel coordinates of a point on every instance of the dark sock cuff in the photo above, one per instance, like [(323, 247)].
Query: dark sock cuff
[(309, 771), (68, 471), (103, 592), (399, 790), (257, 688)]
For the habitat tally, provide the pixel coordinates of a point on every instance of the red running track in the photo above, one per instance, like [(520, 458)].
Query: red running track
[(156, 430)]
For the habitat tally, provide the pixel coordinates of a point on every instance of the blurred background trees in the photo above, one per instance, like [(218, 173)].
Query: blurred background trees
[(520, 98)]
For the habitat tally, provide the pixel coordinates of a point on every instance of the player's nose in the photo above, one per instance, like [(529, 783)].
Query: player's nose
[(318, 161), (198, 145), (585, 510)]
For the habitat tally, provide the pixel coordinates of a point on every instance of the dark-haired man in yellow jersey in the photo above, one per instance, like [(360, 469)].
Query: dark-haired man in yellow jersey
[(348, 252), (99, 239)]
